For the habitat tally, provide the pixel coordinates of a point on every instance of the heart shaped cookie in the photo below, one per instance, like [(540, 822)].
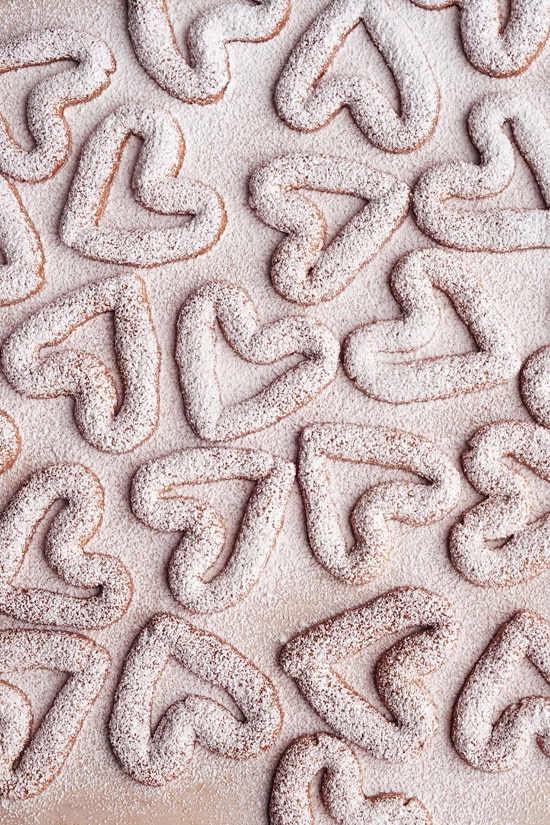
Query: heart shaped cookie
[(29, 764), (309, 659), (400, 501), (501, 745), (205, 78), (307, 100), (341, 788), (68, 534), (105, 422), (203, 530), (159, 757), (413, 281), (232, 308), (49, 99), (492, 230), (157, 186), (23, 273), (301, 270), (506, 511)]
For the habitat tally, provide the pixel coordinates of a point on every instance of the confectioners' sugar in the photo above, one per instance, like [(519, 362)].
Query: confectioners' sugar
[(23, 273), (10, 442)]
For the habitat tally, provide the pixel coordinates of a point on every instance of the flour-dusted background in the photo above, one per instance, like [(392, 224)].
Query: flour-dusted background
[(225, 142)]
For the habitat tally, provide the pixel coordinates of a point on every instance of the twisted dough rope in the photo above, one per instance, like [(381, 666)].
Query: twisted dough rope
[(502, 745), (413, 281), (205, 78), (157, 186), (309, 658), (49, 99), (81, 374), (306, 100), (505, 512), (40, 758), (494, 45), (407, 502), (232, 308), (69, 533), (23, 273), (203, 529), (341, 788), (10, 442), (492, 230), (159, 757), (301, 270)]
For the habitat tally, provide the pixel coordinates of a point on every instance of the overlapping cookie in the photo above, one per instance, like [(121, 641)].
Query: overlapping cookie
[(159, 756), (231, 306), (413, 281), (157, 185), (203, 529)]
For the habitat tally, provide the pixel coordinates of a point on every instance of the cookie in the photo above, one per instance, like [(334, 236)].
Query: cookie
[(231, 306), (28, 764), (402, 501), (490, 230), (306, 100), (111, 424), (535, 385), (157, 185), (498, 43), (159, 756), (506, 510), (23, 273), (68, 534), (309, 658), (503, 744), (48, 100), (341, 788), (414, 279), (301, 269), (10, 442), (204, 78)]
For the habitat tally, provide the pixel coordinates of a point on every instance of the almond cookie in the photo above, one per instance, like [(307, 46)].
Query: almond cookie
[(203, 529), (23, 273), (406, 502), (159, 756), (497, 43), (301, 270), (503, 744), (306, 100), (505, 513), (49, 99), (414, 279), (341, 788), (105, 421), (157, 185), (68, 534), (205, 77), (29, 763), (309, 658), (490, 230), (232, 307)]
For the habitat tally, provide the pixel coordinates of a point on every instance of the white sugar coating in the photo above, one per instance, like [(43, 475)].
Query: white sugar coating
[(205, 77), (48, 100), (414, 504), (301, 269), (10, 443), (506, 513), (22, 274), (105, 422), (42, 755), (157, 186), (68, 534), (155, 758), (413, 281), (341, 788), (306, 100), (535, 385), (497, 44), (309, 659), (490, 744), (232, 308), (498, 229), (203, 529)]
